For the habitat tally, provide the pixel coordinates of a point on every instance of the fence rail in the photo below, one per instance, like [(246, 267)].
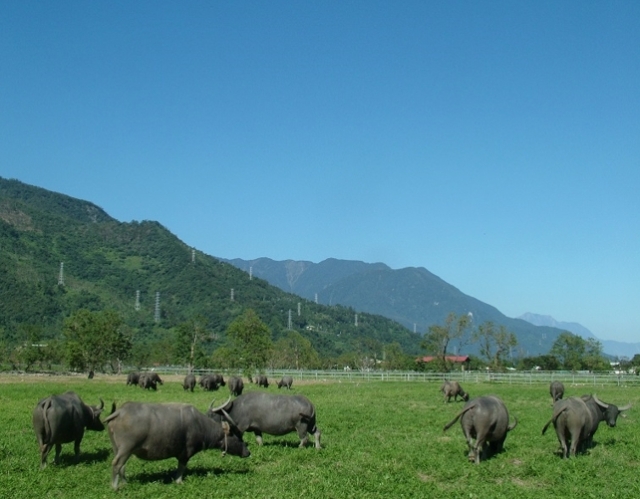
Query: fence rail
[(534, 377)]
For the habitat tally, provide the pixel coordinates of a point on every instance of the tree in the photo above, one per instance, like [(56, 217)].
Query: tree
[(250, 341), (96, 339), (495, 345), (395, 359), (439, 337), (189, 338), (570, 350), (295, 351)]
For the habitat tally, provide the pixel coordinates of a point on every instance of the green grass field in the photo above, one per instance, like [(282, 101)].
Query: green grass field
[(380, 439)]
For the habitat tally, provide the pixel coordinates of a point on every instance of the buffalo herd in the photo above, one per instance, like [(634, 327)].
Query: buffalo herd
[(156, 431)]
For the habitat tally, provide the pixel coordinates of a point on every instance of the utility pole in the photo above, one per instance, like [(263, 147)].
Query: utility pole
[(61, 275), (156, 315), (316, 298)]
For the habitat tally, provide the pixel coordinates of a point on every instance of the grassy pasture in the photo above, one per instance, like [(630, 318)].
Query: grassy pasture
[(380, 439)]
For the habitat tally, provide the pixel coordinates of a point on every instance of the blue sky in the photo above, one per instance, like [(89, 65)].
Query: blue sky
[(496, 144)]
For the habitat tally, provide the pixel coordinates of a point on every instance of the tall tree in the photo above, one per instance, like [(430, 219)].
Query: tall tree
[(439, 337), (495, 344), (295, 351), (570, 350), (250, 341), (96, 339), (189, 338)]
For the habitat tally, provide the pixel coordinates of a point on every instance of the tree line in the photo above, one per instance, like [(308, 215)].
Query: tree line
[(101, 341)]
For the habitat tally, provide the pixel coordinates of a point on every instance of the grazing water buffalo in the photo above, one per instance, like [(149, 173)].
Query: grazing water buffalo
[(273, 414), (453, 389), (149, 380), (487, 420), (133, 378), (286, 381), (211, 382), (556, 390), (189, 382), (60, 419), (576, 420), (236, 385), (160, 431), (261, 380)]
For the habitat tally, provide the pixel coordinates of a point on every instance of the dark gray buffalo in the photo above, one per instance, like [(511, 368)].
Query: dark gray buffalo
[(236, 385), (261, 380), (285, 382), (161, 431), (556, 390), (487, 420), (211, 382), (273, 414), (576, 420), (453, 389), (189, 382), (133, 378), (149, 380), (60, 419)]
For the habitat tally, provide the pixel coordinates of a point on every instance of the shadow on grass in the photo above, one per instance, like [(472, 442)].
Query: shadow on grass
[(98, 456), (168, 476)]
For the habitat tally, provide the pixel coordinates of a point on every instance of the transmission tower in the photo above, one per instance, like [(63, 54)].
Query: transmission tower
[(298, 309), (193, 255), (156, 315), (231, 294), (250, 273), (316, 298), (61, 275), (137, 306), (289, 321), (356, 320)]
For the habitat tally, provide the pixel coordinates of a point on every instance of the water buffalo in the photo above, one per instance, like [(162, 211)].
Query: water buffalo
[(487, 420), (286, 381), (160, 431), (261, 380), (576, 420), (210, 382), (236, 385), (60, 419), (149, 380), (556, 390), (453, 389), (273, 414), (133, 378), (189, 382)]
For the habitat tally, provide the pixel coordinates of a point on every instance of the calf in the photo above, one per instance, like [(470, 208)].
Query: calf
[(286, 382), (556, 390), (189, 382), (453, 389), (236, 385)]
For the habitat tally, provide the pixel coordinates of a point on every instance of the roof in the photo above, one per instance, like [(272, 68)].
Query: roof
[(450, 358)]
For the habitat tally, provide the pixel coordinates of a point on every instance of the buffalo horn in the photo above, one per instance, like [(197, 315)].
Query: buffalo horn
[(600, 402), (101, 405), (216, 409), (625, 408), (226, 415)]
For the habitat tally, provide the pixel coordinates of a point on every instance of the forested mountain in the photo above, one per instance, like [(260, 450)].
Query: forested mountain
[(411, 296), (102, 263)]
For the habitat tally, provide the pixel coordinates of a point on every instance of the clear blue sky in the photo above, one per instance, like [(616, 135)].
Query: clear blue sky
[(496, 144)]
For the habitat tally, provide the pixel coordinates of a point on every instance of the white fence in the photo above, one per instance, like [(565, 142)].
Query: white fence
[(542, 377)]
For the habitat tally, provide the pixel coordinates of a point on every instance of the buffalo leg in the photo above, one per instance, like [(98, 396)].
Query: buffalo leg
[(117, 469), (259, 437), (76, 449), (182, 467), (316, 435), (44, 452), (56, 459)]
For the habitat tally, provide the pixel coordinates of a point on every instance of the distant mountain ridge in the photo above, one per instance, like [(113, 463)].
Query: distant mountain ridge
[(610, 347), (412, 296)]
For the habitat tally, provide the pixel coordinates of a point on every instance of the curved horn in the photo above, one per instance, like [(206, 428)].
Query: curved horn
[(216, 409), (600, 402), (226, 415), (101, 405), (625, 407)]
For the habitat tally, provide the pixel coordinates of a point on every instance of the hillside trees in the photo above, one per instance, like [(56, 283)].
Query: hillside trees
[(575, 353)]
